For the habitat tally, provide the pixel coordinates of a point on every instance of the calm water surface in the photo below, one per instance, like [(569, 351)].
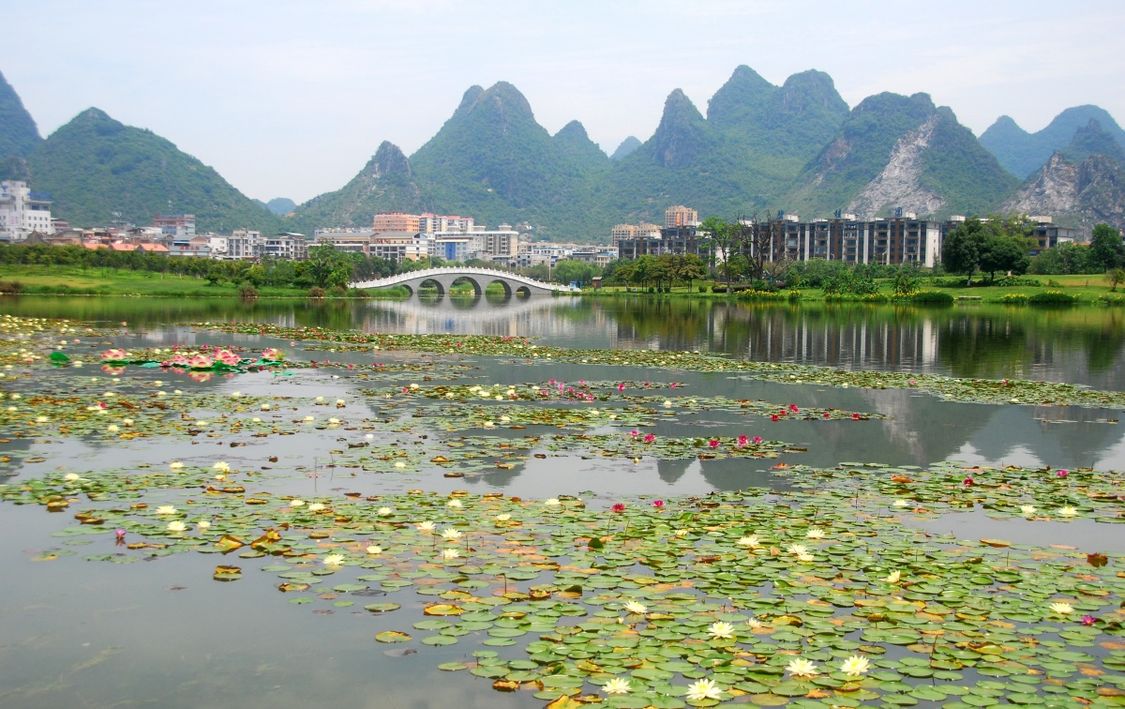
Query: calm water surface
[(161, 633)]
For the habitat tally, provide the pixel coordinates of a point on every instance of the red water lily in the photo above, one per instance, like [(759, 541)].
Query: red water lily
[(793, 408), (743, 440), (658, 503), (968, 482), (649, 437), (618, 507), (713, 443), (855, 417), (1062, 473), (757, 439), (774, 417)]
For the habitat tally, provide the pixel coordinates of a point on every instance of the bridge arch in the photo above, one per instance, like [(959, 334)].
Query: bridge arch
[(443, 278)]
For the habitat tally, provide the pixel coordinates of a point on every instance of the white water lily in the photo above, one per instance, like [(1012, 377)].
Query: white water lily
[(636, 607), (893, 577), (900, 503), (797, 549), (166, 510), (112, 428), (426, 527), (73, 478), (1062, 607), (333, 560), (800, 667), (264, 407), (721, 630), (704, 689), (681, 533), (176, 526), (296, 503), (221, 466), (667, 404), (448, 554), (454, 503), (552, 502), (750, 540), (503, 517), (399, 464), (176, 465), (41, 419), (384, 511), (815, 533), (374, 550), (855, 665), (316, 506), (1067, 511), (1027, 509), (617, 685), (203, 524), (451, 534), (753, 623)]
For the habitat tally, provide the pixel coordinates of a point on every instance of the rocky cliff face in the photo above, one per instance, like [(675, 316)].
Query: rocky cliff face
[(1086, 192), (899, 183)]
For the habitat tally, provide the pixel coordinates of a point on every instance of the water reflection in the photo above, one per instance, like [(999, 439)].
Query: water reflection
[(1082, 345)]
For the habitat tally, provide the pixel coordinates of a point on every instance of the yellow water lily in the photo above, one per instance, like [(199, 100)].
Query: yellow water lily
[(1062, 607), (855, 665), (800, 667), (704, 689), (893, 577), (636, 607), (721, 630), (750, 540), (617, 685)]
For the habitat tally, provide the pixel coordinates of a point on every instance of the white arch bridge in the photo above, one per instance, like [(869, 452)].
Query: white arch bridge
[(479, 278)]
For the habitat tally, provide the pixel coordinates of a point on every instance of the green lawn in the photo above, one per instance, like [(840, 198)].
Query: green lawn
[(74, 280)]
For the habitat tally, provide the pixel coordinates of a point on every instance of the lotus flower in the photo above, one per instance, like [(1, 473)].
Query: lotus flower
[(115, 355), (201, 361), (272, 353)]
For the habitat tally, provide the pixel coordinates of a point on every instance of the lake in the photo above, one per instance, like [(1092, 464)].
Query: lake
[(88, 621)]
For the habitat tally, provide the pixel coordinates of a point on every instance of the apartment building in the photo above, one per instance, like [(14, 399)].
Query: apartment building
[(175, 226), (680, 216), (23, 212)]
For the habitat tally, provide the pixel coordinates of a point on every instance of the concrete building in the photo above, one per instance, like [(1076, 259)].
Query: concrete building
[(244, 244), (175, 226), (433, 223), (286, 245), (396, 221), (1048, 235), (23, 212), (680, 216)]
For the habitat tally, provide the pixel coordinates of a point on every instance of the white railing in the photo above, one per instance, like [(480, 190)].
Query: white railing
[(490, 273)]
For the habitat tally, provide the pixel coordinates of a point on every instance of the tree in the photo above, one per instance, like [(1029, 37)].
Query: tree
[(1116, 277), (1003, 253), (1106, 249), (960, 253), (722, 236)]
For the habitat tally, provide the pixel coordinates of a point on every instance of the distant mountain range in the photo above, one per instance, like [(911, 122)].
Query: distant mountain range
[(759, 148)]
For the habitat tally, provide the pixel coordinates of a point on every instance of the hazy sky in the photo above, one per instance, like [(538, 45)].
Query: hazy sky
[(288, 98)]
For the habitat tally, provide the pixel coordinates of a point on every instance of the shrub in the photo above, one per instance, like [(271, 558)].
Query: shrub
[(337, 292), (932, 297), (11, 287), (1052, 297), (1014, 299), (316, 292), (247, 292), (1108, 299)]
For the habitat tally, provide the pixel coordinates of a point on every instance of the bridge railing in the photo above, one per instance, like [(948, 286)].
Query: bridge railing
[(465, 271)]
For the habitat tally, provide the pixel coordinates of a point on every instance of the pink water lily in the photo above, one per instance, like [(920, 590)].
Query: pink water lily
[(757, 439), (743, 439), (1062, 473), (649, 437), (621, 386), (634, 433), (713, 443), (227, 357)]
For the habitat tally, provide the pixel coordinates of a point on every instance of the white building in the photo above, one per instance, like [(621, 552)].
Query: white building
[(22, 212), (244, 244)]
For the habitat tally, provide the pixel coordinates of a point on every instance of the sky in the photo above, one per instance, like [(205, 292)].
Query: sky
[(290, 98)]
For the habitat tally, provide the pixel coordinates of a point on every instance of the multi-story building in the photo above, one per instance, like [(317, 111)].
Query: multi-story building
[(175, 226), (670, 240), (623, 232), (396, 221), (1048, 235), (23, 212), (244, 244), (433, 223), (680, 216), (286, 245)]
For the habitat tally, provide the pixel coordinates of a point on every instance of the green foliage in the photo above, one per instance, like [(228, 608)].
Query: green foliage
[(18, 134), (1106, 248), (1052, 297), (1066, 258), (1022, 153), (991, 246), (932, 297), (325, 266), (99, 171)]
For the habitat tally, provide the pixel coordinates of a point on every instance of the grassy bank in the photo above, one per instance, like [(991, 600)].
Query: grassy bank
[(1085, 289), (73, 280)]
